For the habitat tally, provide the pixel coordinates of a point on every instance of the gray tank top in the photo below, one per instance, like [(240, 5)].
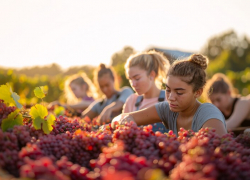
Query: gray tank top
[(204, 112)]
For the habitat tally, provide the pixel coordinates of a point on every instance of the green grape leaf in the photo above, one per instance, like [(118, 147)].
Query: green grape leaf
[(16, 98), (59, 110), (40, 92), (38, 114), (38, 111), (6, 94), (9, 96), (38, 122), (47, 124), (14, 118)]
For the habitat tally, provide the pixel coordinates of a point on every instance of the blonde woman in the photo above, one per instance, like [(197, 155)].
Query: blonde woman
[(79, 92), (146, 72)]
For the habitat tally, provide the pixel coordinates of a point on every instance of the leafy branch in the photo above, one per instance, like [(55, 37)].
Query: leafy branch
[(39, 113)]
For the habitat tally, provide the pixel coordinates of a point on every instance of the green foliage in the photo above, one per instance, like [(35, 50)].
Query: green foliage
[(230, 54), (40, 92), (121, 56), (59, 111), (40, 119), (118, 61), (14, 118), (9, 96), (237, 50), (120, 70), (16, 99), (24, 86), (38, 110), (24, 81), (6, 94), (219, 64)]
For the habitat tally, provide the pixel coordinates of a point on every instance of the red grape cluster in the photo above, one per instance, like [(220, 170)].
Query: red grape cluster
[(63, 124), (76, 150), (23, 135), (244, 139), (169, 151), (56, 146), (208, 156), (32, 151), (41, 169), (5, 110), (88, 145), (74, 171), (117, 159), (9, 148)]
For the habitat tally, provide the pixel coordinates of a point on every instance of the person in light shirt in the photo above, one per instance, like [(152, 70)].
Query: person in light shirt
[(146, 72)]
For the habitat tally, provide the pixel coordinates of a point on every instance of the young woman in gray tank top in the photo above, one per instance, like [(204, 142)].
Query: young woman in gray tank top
[(185, 81)]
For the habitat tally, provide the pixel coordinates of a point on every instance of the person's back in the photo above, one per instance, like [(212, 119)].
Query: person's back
[(146, 71)]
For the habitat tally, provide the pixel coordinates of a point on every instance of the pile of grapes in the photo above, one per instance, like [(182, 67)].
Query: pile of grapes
[(74, 150)]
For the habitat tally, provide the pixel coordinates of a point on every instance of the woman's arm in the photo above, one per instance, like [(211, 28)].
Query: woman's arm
[(241, 111), (141, 117), (116, 106), (81, 105), (89, 113), (217, 125), (107, 111)]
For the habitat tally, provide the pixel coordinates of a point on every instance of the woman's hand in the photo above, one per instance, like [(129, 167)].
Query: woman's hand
[(105, 116), (121, 119)]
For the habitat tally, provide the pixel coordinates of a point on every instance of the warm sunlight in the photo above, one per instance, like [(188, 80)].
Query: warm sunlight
[(74, 33)]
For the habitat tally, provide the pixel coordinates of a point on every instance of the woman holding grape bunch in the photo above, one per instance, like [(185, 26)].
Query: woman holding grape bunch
[(184, 84)]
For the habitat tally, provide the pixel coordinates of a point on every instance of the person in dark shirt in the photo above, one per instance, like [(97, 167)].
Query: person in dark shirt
[(112, 103), (236, 109)]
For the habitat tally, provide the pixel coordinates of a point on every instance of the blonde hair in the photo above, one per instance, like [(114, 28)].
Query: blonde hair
[(219, 83), (191, 70), (150, 61), (79, 79)]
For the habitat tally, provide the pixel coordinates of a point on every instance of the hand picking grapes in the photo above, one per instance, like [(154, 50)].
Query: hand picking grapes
[(185, 81)]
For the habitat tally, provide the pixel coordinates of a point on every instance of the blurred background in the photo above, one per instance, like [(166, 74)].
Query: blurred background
[(43, 42)]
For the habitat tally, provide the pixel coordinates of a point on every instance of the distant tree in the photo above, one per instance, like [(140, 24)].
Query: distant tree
[(87, 69), (236, 50), (230, 54), (49, 70), (121, 56), (118, 61)]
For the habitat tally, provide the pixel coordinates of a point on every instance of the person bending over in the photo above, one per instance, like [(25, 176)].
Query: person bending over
[(113, 101), (79, 93), (146, 72), (235, 108), (184, 84)]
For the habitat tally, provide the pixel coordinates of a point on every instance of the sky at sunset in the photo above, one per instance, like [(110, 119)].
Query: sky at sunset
[(84, 32)]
